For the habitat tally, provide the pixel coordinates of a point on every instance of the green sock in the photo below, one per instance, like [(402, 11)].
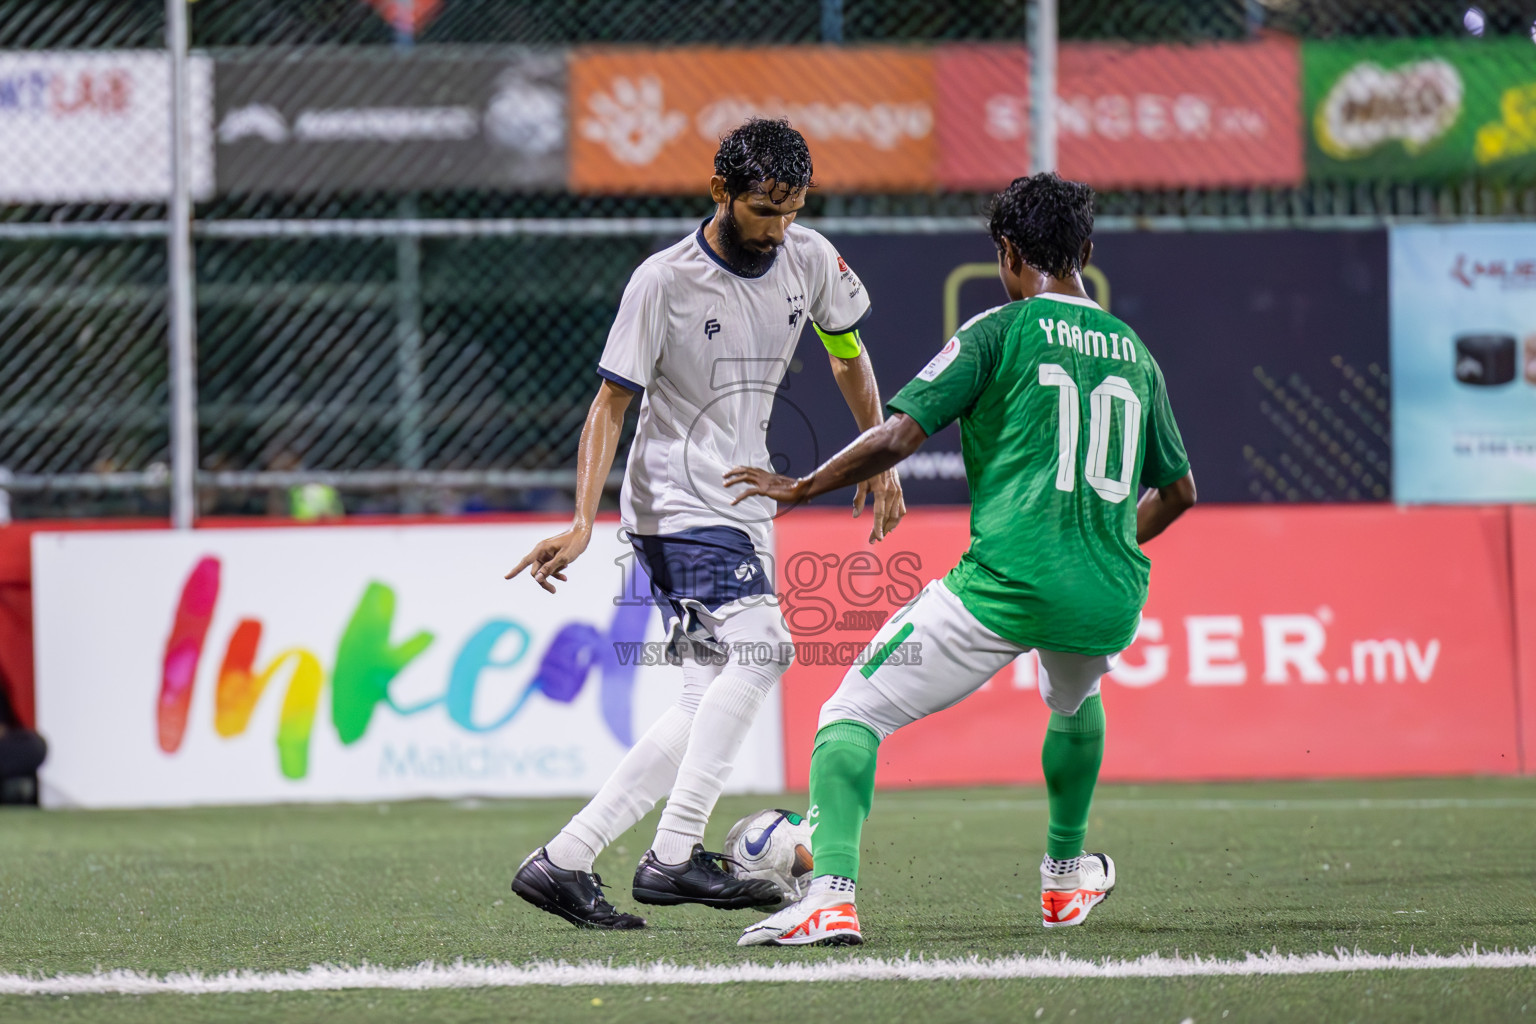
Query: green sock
[(1074, 747), (842, 791)]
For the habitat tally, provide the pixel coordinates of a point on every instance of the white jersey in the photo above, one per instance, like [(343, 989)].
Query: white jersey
[(709, 348)]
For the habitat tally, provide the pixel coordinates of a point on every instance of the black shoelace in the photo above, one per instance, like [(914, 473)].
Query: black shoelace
[(601, 885), (716, 863)]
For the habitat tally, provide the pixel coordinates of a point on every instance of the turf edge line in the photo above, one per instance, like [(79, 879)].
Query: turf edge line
[(327, 977)]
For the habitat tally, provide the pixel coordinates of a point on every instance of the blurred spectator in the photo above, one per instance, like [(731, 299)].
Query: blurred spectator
[(217, 501), (304, 502), (21, 752), (311, 502)]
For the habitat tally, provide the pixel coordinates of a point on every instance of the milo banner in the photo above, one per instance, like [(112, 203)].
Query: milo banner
[(1420, 108)]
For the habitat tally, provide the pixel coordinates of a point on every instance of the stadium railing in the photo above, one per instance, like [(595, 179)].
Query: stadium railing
[(413, 324)]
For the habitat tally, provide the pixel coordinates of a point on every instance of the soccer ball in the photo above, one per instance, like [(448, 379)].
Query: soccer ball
[(775, 845)]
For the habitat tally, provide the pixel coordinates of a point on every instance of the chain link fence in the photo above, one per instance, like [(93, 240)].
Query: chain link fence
[(414, 218)]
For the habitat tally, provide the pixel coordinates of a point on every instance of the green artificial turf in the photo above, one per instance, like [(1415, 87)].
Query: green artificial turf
[(1211, 870)]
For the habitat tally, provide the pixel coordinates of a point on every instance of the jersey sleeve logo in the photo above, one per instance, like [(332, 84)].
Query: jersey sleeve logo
[(937, 364)]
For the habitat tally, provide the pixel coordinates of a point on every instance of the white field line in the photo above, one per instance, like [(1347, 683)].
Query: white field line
[(325, 978), (1156, 804)]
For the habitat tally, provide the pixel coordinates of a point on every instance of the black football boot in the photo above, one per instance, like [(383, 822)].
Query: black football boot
[(702, 879), (576, 896)]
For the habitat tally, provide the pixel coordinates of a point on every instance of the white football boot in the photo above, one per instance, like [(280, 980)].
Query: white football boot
[(820, 919), (1065, 900)]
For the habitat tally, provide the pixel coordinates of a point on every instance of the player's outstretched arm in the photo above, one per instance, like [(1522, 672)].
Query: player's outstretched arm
[(594, 460), (855, 376), (1161, 507), (875, 451)]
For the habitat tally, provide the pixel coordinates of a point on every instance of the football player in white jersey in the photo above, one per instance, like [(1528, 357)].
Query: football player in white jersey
[(705, 333)]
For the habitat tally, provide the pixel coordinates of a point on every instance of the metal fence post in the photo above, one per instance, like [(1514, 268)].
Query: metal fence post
[(408, 336), (183, 323), (1042, 86), (831, 21), (408, 309)]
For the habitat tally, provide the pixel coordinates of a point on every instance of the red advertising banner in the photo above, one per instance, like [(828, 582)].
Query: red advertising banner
[(1277, 643), (1128, 116), (650, 121), (1522, 540)]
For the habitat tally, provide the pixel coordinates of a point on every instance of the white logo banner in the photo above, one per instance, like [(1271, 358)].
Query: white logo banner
[(89, 127)]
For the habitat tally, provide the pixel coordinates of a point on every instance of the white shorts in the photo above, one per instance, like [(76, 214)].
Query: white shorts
[(941, 654)]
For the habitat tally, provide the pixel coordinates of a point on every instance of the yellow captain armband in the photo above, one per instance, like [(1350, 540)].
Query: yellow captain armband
[(845, 346)]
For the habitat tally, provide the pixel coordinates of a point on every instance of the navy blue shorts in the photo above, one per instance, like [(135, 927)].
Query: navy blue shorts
[(700, 569)]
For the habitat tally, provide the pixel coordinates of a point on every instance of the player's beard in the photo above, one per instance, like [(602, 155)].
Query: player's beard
[(746, 261)]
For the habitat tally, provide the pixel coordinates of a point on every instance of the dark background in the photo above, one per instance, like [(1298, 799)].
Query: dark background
[(1273, 344)]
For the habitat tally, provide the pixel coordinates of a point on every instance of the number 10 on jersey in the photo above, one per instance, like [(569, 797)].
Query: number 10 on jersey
[(1101, 414)]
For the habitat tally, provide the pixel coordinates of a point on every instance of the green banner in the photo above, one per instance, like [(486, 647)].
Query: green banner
[(1420, 109)]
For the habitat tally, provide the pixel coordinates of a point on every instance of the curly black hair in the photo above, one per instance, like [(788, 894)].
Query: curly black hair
[(1047, 218), (762, 150)]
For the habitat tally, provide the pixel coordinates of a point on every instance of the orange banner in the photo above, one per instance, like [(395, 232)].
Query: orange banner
[(650, 121), (1277, 643)]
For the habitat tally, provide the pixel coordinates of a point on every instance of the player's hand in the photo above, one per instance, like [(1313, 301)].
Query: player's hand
[(785, 490), (890, 506), (552, 554)]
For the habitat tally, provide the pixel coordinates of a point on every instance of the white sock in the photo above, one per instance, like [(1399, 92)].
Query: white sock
[(724, 716), (568, 852), (824, 885), (672, 847), (643, 777), (1061, 867)]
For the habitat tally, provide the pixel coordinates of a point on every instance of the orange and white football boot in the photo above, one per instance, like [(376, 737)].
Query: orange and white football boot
[(1065, 900), (822, 919)]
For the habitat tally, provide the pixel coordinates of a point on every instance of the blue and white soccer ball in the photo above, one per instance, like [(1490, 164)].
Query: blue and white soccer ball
[(775, 845)]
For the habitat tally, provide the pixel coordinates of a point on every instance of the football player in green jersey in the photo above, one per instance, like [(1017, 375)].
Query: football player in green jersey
[(1064, 417)]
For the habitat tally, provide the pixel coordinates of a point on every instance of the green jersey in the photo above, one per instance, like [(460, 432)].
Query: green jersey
[(1063, 413)]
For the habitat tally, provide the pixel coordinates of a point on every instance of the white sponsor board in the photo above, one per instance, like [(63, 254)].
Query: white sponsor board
[(344, 663), (88, 127)]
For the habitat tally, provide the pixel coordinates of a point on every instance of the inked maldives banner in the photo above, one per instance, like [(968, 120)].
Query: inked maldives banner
[(344, 663)]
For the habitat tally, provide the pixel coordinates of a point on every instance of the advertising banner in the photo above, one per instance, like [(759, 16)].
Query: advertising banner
[(1275, 354), (95, 127), (1464, 362), (1522, 539), (1420, 108), (650, 121), (412, 15), (344, 663), (478, 119), (1276, 643), (1128, 116)]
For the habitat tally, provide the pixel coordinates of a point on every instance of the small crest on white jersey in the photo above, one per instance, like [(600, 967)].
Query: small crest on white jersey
[(944, 358)]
